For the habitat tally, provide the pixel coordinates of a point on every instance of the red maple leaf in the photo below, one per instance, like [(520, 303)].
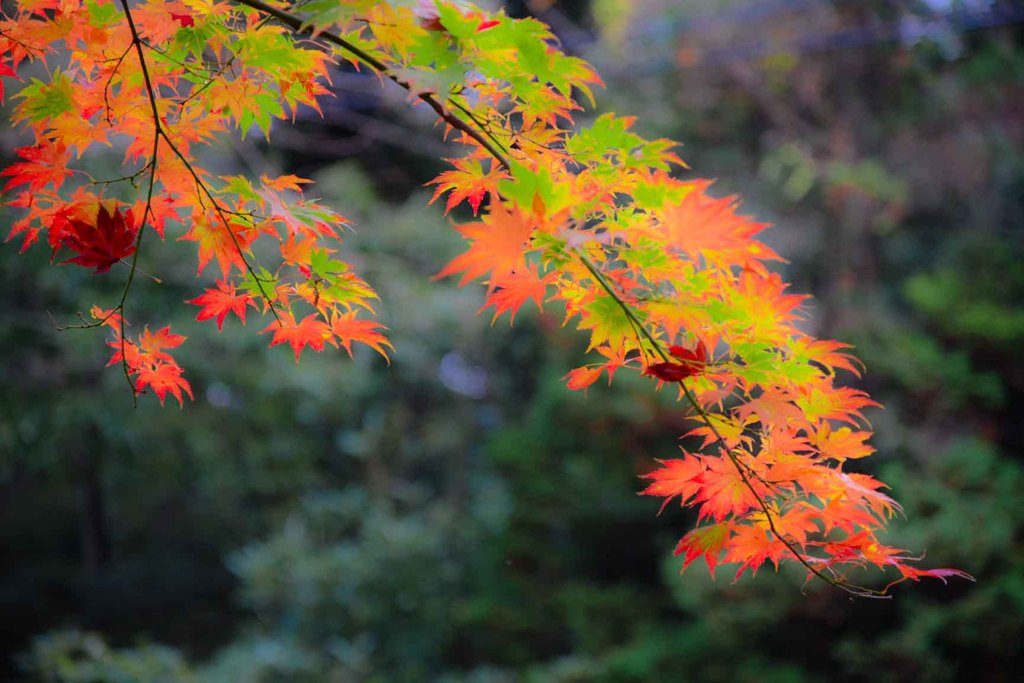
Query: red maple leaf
[(43, 164), (691, 363), (676, 477), (5, 71), (163, 379), (185, 20), (221, 301), (511, 291), (102, 244)]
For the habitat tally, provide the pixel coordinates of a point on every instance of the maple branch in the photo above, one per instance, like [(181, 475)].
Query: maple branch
[(160, 132), (486, 140), (483, 136), (106, 86), (214, 75), (157, 131), (299, 26), (859, 591)]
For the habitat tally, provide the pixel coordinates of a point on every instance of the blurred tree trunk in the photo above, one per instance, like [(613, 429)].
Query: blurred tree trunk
[(93, 524)]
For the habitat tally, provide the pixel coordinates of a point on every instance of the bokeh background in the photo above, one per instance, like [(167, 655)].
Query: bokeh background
[(461, 516)]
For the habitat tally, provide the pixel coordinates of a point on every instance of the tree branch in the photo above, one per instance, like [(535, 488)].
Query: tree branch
[(299, 26), (483, 137)]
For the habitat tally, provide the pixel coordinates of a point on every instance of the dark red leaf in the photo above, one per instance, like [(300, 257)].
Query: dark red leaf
[(101, 245)]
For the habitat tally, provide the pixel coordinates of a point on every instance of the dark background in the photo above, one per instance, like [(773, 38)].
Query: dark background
[(461, 516)]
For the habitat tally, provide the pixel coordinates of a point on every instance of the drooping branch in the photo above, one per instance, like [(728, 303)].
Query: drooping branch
[(602, 186), (476, 130), (161, 133)]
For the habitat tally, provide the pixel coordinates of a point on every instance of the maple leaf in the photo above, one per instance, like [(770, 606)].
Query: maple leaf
[(103, 243), (221, 301), (771, 408), (157, 211), (164, 378), (511, 291), (691, 363), (581, 378), (751, 546), (822, 401), (703, 226), (467, 182), (909, 572), (154, 343), (497, 245), (346, 328), (842, 443), (311, 332), (863, 489), (217, 240), (185, 20), (708, 541), (607, 322), (669, 372), (43, 164), (677, 477), (724, 492), (109, 317)]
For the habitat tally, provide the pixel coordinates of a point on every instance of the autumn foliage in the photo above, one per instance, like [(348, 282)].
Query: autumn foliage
[(664, 278)]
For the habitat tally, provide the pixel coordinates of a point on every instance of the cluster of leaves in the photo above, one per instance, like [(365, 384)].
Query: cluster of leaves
[(159, 79), (666, 279)]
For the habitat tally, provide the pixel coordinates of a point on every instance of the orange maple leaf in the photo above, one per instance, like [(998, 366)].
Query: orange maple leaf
[(311, 332), (217, 240), (581, 378), (509, 292), (467, 182), (708, 541), (703, 226), (677, 477), (43, 164), (347, 329), (724, 492), (155, 342), (497, 245), (163, 379)]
